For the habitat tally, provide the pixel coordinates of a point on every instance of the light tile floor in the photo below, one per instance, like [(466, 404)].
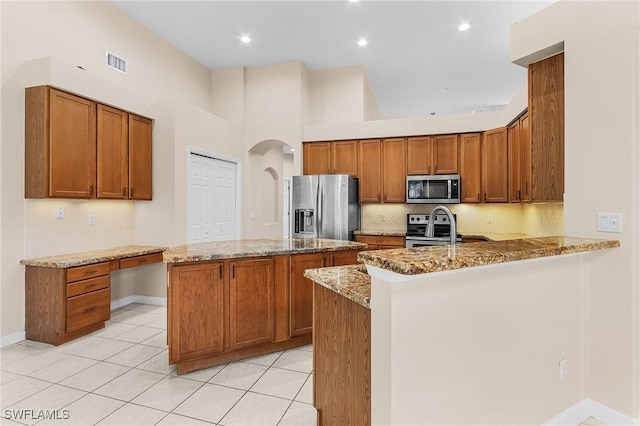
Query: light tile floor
[(120, 375)]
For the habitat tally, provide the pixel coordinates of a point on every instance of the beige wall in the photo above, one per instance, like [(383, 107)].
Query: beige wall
[(337, 95), (601, 139)]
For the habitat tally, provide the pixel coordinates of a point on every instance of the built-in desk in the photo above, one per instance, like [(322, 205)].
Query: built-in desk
[(69, 295)]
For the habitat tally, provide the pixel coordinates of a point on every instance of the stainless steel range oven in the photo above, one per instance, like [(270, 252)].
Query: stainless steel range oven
[(417, 226)]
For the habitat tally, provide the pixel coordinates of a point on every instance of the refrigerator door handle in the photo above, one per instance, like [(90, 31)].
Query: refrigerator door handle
[(320, 207)]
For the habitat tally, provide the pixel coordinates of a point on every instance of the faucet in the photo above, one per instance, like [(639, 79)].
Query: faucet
[(432, 218)]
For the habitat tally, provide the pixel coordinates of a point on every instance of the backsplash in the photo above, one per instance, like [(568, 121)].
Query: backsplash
[(531, 219)]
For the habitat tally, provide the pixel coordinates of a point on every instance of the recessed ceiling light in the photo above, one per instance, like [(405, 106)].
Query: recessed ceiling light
[(362, 42), (245, 39), (464, 26), (445, 89), (354, 1)]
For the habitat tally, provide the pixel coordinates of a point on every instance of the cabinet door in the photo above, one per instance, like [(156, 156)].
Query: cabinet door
[(369, 157), (301, 292), (494, 166), (197, 310), (72, 146), (112, 142), (515, 163), (419, 156), (345, 257), (394, 170), (445, 155), (546, 110), (252, 304), (344, 158), (525, 148), (316, 158), (140, 158), (470, 172)]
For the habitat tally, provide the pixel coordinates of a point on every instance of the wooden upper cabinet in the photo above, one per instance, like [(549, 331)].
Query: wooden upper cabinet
[(525, 158), (140, 158), (470, 168), (419, 157), (75, 148), (494, 166), (515, 162), (432, 155), (445, 155), (60, 144), (370, 166), (330, 158), (112, 148), (546, 115), (344, 158), (394, 170), (316, 158)]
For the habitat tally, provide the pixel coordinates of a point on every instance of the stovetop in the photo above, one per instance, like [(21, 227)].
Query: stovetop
[(417, 226)]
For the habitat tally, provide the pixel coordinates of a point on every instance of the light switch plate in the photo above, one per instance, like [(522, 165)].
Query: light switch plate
[(609, 222)]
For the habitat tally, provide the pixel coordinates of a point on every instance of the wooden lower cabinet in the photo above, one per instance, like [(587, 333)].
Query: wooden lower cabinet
[(251, 301), (341, 385), (222, 311), (198, 294), (381, 242)]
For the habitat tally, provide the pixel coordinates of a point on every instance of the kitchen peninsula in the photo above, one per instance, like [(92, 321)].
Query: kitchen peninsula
[(230, 300), (452, 334)]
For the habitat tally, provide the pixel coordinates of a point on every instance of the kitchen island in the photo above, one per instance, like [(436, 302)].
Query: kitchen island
[(464, 334), (230, 300)]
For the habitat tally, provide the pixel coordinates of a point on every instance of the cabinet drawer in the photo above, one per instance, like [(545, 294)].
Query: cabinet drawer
[(131, 262), (88, 309), (86, 286), (394, 241), (88, 271)]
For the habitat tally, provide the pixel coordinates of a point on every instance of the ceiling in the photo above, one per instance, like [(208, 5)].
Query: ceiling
[(417, 61)]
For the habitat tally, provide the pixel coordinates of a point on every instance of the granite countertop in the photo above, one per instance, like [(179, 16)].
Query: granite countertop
[(234, 249), (351, 281), (443, 258), (496, 236), (354, 283), (94, 256)]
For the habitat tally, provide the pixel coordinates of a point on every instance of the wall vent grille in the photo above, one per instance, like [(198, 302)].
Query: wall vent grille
[(116, 63)]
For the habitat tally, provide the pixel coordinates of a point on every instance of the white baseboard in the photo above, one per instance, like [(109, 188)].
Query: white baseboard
[(147, 300), (589, 408), (12, 338)]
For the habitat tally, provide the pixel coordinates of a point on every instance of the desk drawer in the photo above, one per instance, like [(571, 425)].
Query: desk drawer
[(88, 271), (130, 262), (86, 286), (88, 309)]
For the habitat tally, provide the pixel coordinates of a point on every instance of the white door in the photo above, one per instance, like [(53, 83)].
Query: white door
[(211, 200)]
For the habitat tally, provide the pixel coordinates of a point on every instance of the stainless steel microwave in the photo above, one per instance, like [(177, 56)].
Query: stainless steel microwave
[(436, 189)]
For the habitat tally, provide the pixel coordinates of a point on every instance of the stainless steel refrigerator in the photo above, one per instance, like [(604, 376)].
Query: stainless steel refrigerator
[(325, 206)]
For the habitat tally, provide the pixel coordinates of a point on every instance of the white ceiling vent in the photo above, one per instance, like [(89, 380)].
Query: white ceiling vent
[(118, 64)]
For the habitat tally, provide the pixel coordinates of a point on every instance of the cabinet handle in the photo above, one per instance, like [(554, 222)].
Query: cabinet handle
[(220, 271), (233, 271), (526, 188), (91, 190), (93, 271), (87, 287), (478, 196), (485, 197), (93, 308), (131, 192), (519, 195)]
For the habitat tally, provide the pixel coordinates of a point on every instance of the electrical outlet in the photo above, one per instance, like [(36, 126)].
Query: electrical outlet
[(91, 219), (610, 222), (489, 219), (59, 213), (563, 369)]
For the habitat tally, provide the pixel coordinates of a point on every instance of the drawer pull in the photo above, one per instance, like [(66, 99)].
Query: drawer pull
[(90, 285), (93, 271), (142, 261), (91, 309)]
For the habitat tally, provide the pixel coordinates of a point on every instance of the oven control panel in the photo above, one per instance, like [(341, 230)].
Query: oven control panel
[(423, 219)]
